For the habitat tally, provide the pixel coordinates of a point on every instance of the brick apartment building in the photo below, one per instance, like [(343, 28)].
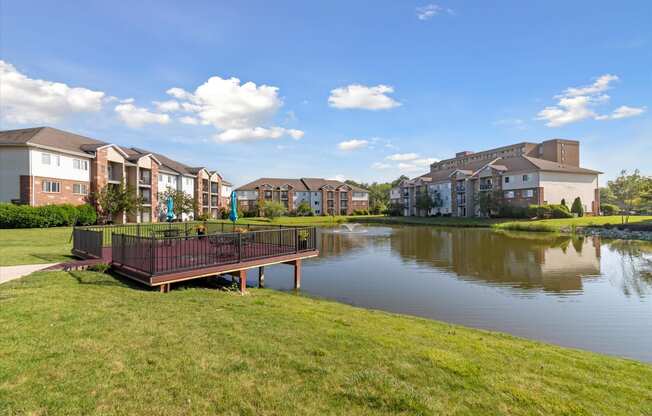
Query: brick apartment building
[(522, 174), (43, 165), (324, 196)]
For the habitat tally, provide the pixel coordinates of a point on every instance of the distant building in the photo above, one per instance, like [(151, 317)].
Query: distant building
[(43, 165), (521, 174), (324, 196)]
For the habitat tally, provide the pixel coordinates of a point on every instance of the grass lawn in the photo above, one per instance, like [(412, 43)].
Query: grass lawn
[(568, 223), (34, 245), (86, 343)]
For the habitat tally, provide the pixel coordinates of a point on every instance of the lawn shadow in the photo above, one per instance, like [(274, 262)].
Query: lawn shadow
[(53, 258), (221, 283), (106, 279)]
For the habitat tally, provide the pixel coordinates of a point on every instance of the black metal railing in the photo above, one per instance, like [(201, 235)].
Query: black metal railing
[(157, 255), (87, 241)]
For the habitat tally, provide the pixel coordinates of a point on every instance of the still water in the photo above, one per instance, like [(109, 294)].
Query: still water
[(576, 292)]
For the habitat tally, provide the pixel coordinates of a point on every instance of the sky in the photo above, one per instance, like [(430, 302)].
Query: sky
[(362, 90)]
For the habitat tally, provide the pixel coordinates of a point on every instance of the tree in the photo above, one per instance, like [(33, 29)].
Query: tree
[(488, 202), (577, 207), (563, 203), (272, 209), (183, 202), (630, 191), (423, 201), (304, 209), (115, 199)]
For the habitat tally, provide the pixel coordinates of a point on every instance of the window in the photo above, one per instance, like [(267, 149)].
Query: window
[(526, 178), (509, 194), (506, 179), (80, 164), (49, 186), (45, 158), (268, 194), (528, 193), (316, 203), (80, 188)]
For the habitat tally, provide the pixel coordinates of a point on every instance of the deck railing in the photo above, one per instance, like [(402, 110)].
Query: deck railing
[(157, 255), (87, 241), (185, 229)]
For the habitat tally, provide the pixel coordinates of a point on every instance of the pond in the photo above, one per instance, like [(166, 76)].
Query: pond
[(576, 292)]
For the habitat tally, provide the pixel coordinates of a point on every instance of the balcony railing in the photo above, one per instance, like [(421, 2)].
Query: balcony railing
[(460, 188), (486, 186)]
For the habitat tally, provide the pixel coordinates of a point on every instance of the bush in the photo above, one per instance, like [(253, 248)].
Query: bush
[(273, 209), (360, 212), (577, 207), (560, 211), (86, 215), (509, 211), (303, 209), (609, 209), (548, 211)]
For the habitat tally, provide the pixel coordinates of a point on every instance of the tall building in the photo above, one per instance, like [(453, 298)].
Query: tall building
[(324, 196), (520, 174), (44, 165)]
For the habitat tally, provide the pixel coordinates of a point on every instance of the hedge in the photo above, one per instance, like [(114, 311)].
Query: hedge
[(549, 211), (25, 216)]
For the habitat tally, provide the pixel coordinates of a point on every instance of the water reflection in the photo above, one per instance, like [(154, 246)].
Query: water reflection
[(577, 292)]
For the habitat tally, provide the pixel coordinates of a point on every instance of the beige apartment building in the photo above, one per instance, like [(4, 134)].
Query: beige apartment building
[(523, 174), (44, 165)]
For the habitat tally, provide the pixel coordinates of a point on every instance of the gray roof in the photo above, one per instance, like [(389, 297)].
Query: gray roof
[(66, 141), (300, 184)]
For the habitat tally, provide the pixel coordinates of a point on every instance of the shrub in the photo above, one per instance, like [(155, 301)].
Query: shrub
[(86, 215), (360, 212), (304, 209), (100, 268), (577, 207), (273, 209), (509, 211), (560, 211), (609, 209)]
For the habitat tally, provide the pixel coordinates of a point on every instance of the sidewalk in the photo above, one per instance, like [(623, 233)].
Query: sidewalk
[(8, 273)]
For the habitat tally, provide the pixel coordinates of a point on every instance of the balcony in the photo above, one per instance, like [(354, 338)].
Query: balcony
[(486, 186), (460, 188), (114, 172), (213, 201), (214, 188)]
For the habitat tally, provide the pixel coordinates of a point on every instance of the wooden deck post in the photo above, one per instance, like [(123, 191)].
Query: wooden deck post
[(297, 274), (243, 281), (261, 276)]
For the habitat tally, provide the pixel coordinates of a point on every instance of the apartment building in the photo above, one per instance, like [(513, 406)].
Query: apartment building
[(324, 196), (521, 174), (44, 165)]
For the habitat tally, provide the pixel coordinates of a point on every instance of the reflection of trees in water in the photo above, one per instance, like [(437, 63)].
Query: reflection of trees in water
[(635, 267), (520, 260)]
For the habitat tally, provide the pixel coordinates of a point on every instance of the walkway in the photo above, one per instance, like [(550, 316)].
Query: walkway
[(8, 273)]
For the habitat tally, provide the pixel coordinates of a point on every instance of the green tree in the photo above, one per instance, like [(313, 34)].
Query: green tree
[(577, 207), (424, 201), (115, 199), (304, 209), (631, 192), (272, 209), (488, 202), (183, 202), (563, 203)]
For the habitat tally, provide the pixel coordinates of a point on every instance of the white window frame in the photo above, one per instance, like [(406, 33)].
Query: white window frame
[(46, 158), (81, 164), (49, 186), (528, 193), (509, 194), (83, 188), (506, 179), (526, 178)]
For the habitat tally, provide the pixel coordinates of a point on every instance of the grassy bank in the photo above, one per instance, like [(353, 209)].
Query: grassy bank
[(85, 343), (35, 245)]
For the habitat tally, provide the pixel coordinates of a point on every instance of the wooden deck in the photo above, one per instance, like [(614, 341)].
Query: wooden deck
[(160, 262)]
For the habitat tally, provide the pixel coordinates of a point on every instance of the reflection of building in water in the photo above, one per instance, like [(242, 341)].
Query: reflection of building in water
[(553, 263), (331, 244)]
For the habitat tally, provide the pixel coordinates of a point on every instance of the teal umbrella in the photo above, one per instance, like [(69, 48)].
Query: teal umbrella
[(170, 215), (233, 216)]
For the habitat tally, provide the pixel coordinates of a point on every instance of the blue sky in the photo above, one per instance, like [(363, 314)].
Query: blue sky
[(361, 90)]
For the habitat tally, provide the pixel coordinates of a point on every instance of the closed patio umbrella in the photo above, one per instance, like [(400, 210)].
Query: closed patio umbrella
[(170, 214), (233, 215)]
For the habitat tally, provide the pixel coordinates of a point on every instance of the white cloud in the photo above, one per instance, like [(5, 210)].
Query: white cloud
[(626, 111), (168, 106), (352, 144), (417, 165), (27, 100), (189, 120), (257, 133), (380, 166), (431, 10), (512, 123), (402, 157), (239, 111), (138, 116), (578, 103), (339, 177), (363, 97)]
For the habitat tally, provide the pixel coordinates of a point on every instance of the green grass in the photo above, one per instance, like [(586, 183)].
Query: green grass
[(434, 221), (35, 245), (567, 224), (85, 343)]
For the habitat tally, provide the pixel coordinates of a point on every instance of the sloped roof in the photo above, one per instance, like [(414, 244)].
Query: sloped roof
[(547, 165), (301, 184), (50, 137)]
